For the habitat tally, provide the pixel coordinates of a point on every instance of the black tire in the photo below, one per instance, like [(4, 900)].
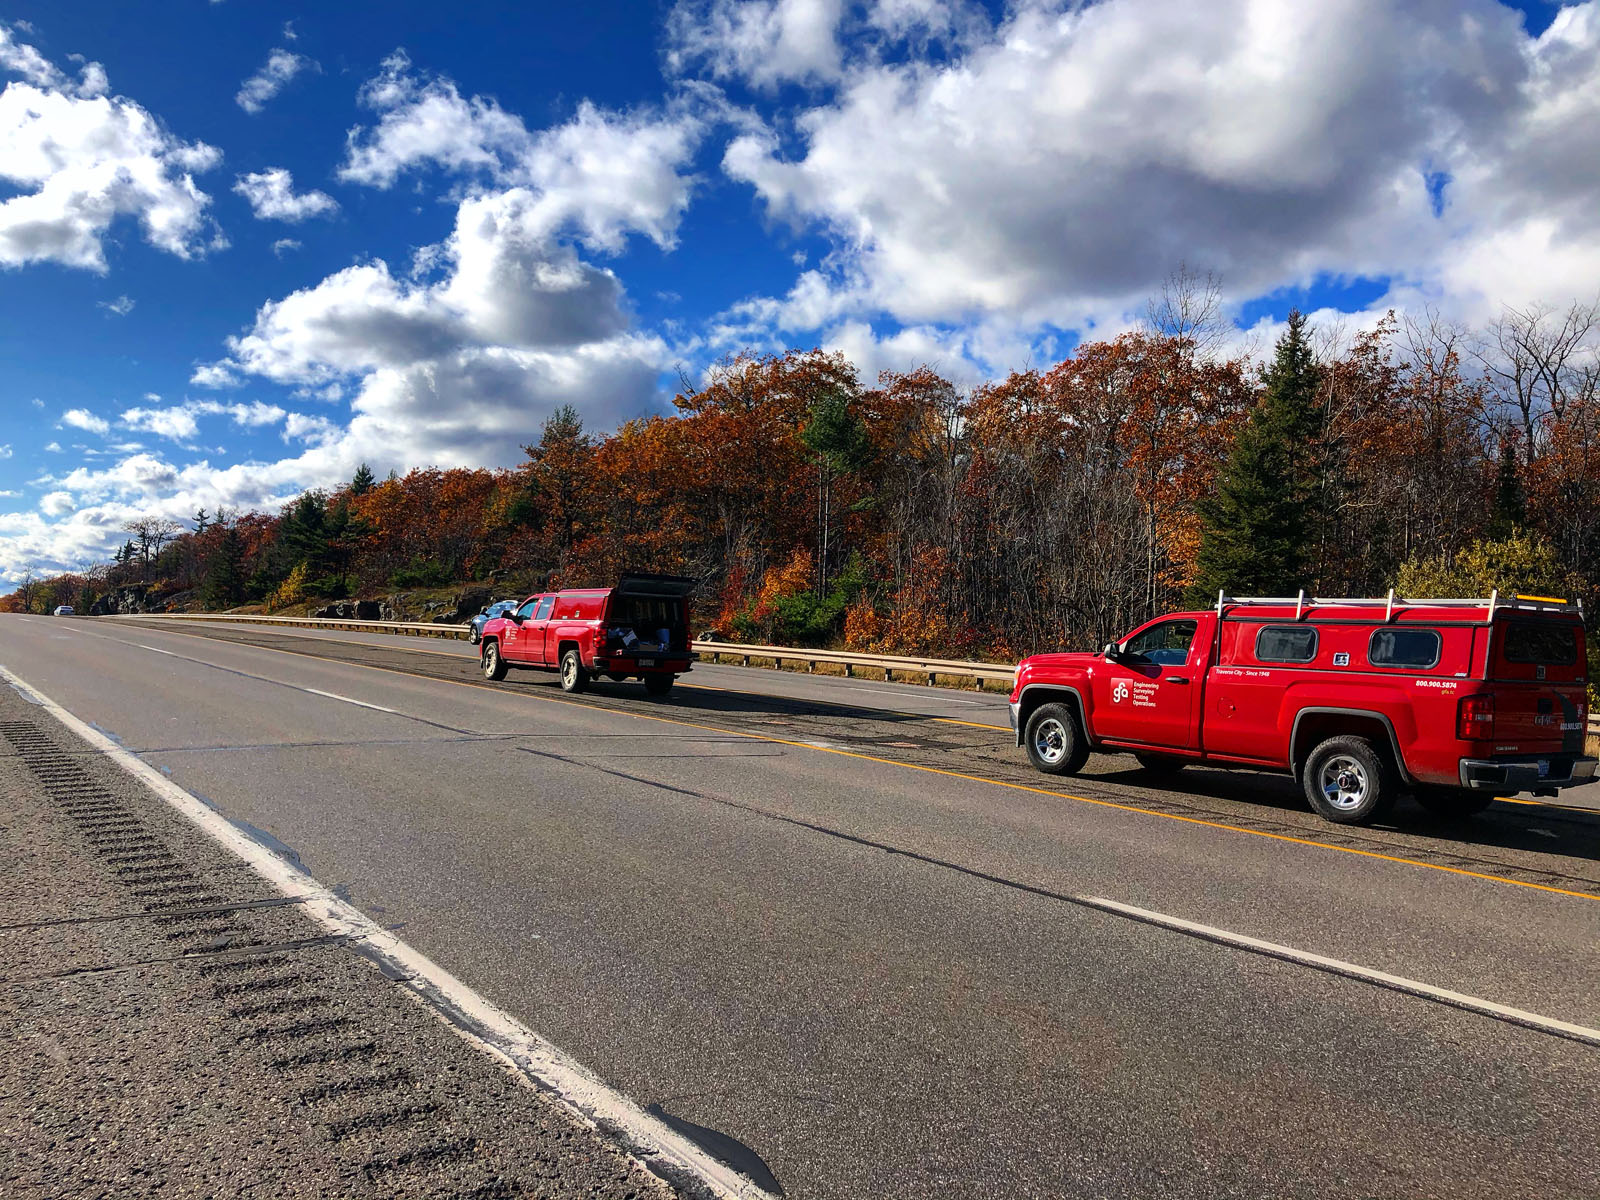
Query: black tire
[(1055, 741), (1348, 781), (1160, 764), (474, 637), (1452, 803), (573, 676), (658, 685), (494, 667)]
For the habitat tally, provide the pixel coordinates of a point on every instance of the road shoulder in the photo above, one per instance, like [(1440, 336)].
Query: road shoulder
[(178, 1028)]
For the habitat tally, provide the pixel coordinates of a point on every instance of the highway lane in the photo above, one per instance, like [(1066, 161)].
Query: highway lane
[(981, 707), (730, 938)]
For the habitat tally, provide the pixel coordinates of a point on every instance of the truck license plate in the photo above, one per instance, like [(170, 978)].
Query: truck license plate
[(650, 662), (1544, 768)]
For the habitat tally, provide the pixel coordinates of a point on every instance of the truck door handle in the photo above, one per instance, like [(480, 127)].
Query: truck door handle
[(1177, 679)]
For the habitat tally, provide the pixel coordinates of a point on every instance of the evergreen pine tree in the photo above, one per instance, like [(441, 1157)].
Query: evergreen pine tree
[(224, 581), (1256, 527), (1510, 510), (363, 481)]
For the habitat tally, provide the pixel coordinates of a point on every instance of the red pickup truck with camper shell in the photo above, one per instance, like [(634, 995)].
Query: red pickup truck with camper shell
[(1455, 701), (638, 629)]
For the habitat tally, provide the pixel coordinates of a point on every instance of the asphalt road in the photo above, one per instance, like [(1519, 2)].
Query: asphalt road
[(983, 707), (859, 942)]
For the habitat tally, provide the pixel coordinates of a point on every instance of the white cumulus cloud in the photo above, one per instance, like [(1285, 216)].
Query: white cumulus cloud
[(82, 418), (272, 197), (1048, 168), (275, 74), (79, 159), (181, 422), (603, 174)]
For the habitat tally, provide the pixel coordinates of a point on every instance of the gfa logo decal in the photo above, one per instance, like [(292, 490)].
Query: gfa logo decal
[(1120, 692)]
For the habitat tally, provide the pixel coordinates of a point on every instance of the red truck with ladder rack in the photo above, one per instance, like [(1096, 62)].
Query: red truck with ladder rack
[(1456, 701)]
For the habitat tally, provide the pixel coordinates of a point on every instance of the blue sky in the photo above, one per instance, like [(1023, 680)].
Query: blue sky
[(244, 247)]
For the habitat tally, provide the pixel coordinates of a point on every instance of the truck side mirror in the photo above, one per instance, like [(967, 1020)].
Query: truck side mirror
[(1112, 652)]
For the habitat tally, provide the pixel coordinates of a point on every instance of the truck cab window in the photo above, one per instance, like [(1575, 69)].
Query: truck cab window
[(526, 610), (1166, 644), (545, 605)]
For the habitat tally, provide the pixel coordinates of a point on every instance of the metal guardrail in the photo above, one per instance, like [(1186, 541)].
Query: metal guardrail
[(891, 665), (417, 628), (850, 660)]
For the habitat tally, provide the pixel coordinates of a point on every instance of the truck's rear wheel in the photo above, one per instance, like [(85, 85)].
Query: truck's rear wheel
[(1055, 741), (494, 667), (658, 685), (1452, 802), (1348, 782), (573, 677), (1160, 764)]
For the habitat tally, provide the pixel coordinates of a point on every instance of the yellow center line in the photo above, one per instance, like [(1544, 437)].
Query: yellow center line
[(890, 762)]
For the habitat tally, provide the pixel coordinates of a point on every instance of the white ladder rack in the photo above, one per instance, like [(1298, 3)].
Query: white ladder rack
[(1393, 604)]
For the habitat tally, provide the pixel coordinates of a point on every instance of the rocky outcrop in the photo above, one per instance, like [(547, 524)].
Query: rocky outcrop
[(468, 603), (127, 600), (355, 610), (399, 606)]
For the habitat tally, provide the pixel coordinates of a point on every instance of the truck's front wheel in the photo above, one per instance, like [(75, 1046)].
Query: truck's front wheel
[(1055, 740), (494, 667), (1348, 782), (573, 677)]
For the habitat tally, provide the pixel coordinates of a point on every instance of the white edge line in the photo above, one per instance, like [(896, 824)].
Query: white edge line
[(1415, 987), (659, 1148), (346, 699)]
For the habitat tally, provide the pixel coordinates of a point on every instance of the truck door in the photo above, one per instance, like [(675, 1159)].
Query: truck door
[(537, 633), (523, 640), (515, 634), (1151, 693)]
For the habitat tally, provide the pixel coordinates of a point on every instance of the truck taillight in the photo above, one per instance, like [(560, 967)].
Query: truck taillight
[(1475, 717)]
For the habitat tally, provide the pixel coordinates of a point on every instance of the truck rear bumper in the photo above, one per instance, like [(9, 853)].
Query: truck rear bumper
[(644, 664), (1523, 774)]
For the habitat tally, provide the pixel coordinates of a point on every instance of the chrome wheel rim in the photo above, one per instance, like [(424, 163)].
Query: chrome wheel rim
[(569, 671), (489, 656), (1344, 782), (1050, 741)]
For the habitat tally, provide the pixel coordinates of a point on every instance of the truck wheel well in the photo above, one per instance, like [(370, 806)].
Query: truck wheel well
[(1035, 696), (1314, 728), (563, 647)]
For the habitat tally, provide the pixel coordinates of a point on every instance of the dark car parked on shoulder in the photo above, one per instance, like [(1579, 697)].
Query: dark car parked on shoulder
[(498, 609)]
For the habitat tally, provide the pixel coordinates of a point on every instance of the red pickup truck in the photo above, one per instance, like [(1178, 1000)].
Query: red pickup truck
[(638, 629), (1456, 701)]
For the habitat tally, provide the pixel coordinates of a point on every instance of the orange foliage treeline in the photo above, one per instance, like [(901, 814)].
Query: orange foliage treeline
[(1046, 509)]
